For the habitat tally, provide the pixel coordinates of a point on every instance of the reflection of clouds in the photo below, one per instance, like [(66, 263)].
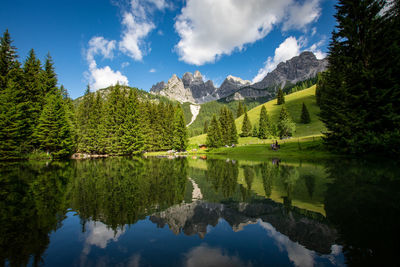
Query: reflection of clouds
[(206, 256), (298, 254), (134, 261), (99, 235)]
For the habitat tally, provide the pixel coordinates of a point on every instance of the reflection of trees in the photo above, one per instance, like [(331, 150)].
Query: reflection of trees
[(32, 205), (309, 180), (289, 176), (121, 191), (223, 175), (268, 172), (364, 203)]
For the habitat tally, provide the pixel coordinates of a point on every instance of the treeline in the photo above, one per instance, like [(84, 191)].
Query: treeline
[(359, 95), (292, 88), (222, 131), (120, 124), (34, 113), (38, 117)]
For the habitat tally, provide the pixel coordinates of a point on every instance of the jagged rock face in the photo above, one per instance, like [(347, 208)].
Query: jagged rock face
[(193, 218), (175, 89), (230, 85), (191, 88), (297, 69), (194, 89)]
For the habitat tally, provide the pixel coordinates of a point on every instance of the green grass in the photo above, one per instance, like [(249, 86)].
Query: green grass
[(208, 109), (293, 104)]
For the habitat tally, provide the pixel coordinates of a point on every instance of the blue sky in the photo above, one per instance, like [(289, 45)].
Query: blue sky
[(141, 42)]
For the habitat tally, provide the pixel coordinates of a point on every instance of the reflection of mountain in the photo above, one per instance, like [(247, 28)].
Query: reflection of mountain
[(307, 228)]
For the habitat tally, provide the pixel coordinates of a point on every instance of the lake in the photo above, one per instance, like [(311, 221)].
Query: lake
[(199, 212)]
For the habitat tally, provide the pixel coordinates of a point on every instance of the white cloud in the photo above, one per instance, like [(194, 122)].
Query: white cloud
[(313, 31), (315, 48), (286, 50), (152, 70), (102, 77), (137, 25), (302, 14), (99, 45), (209, 29)]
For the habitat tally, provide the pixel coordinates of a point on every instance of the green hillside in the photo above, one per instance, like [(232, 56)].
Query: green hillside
[(294, 103), (208, 109)]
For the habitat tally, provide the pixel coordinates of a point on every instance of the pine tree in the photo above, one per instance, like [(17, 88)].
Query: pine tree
[(240, 110), (305, 116), (132, 140), (214, 133), (280, 97), (8, 57), (233, 136), (265, 130), (180, 131), (54, 130), (286, 126), (360, 95), (49, 76), (225, 124), (246, 126), (205, 129)]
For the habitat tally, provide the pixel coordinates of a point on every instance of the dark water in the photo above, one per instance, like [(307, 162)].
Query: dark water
[(194, 212)]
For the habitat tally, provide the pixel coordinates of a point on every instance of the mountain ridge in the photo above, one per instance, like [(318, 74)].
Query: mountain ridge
[(192, 88)]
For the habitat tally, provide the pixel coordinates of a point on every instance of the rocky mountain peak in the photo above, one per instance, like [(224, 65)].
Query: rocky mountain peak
[(197, 74)]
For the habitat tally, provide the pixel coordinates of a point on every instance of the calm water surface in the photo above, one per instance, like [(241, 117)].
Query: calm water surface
[(197, 212)]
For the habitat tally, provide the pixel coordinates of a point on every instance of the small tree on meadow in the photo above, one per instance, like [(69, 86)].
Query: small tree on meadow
[(305, 115)]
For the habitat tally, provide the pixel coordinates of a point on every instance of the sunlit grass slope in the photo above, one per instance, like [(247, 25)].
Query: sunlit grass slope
[(294, 104)]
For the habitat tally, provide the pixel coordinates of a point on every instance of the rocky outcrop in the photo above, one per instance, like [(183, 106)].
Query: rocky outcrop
[(297, 69), (192, 88), (311, 231), (230, 85)]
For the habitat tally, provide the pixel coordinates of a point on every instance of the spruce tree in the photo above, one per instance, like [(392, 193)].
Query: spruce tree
[(54, 130), (286, 126), (214, 133), (305, 116), (240, 110), (180, 132), (360, 95), (280, 97), (246, 126), (233, 136), (264, 130), (225, 124), (132, 140), (49, 76), (8, 58)]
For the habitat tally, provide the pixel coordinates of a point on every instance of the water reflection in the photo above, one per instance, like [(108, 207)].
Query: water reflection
[(221, 212)]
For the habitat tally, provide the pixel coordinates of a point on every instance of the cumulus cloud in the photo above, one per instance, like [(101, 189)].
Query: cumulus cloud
[(209, 29), (102, 77), (286, 50), (315, 48), (302, 14), (137, 25), (152, 70)]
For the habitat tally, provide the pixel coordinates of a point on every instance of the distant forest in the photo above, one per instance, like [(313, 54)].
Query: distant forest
[(38, 118)]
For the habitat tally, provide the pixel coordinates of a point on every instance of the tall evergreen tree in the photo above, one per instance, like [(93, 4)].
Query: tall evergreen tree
[(8, 57), (246, 126), (54, 130), (305, 115), (254, 132), (132, 140), (233, 136), (180, 132), (240, 110), (49, 76), (286, 126), (280, 97), (264, 130), (214, 138), (225, 124), (360, 96)]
